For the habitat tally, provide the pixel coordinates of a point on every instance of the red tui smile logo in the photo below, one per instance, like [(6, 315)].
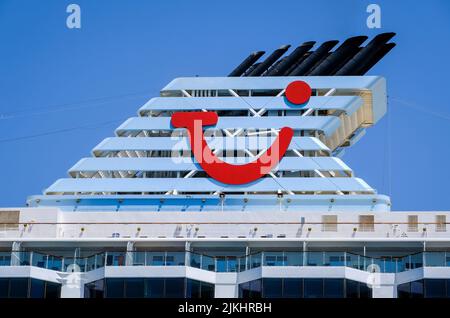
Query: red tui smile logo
[(297, 92)]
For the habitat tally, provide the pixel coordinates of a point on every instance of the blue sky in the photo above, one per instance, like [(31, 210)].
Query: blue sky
[(71, 88)]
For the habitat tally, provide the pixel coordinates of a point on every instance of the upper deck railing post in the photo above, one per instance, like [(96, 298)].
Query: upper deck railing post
[(247, 257), (304, 253), (187, 255), (424, 257)]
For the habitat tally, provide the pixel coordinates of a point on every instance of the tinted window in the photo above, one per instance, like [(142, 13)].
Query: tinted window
[(307, 288), (250, 289), (435, 288), (313, 287), (94, 289), (28, 288), (18, 288), (273, 287), (352, 289), (53, 290), (37, 288), (244, 290), (292, 288), (4, 286), (364, 291), (134, 288), (174, 288), (114, 288), (417, 289), (333, 288), (197, 289), (207, 290), (404, 290), (255, 289), (154, 288), (193, 289), (428, 288)]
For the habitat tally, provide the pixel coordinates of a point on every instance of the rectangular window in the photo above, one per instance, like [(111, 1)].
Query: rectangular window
[(37, 289), (404, 290), (115, 288), (198, 289), (4, 286), (18, 288), (364, 291), (413, 223), (333, 288), (272, 288), (352, 288), (293, 288), (250, 289), (329, 223), (440, 223), (10, 220), (366, 223), (417, 289), (313, 288), (175, 288), (435, 288), (154, 288), (193, 289), (91, 290), (134, 288), (244, 290), (206, 290)]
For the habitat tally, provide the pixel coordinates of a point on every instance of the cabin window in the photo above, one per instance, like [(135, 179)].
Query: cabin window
[(329, 223), (366, 223), (413, 223), (441, 223)]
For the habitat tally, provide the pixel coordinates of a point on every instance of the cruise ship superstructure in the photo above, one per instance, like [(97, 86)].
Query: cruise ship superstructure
[(141, 217)]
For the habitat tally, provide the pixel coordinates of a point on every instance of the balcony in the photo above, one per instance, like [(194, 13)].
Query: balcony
[(225, 264), (52, 262)]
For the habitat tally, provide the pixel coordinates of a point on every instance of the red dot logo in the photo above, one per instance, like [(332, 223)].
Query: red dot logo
[(298, 92)]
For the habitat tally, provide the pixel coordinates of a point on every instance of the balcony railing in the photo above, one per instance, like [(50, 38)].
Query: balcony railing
[(296, 259), (226, 263), (57, 263)]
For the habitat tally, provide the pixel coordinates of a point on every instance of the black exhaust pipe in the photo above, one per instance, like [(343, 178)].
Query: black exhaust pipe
[(241, 68), (374, 60), (322, 52), (280, 68), (339, 57), (276, 64), (250, 69), (365, 54), (300, 60), (261, 68)]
